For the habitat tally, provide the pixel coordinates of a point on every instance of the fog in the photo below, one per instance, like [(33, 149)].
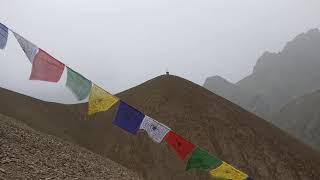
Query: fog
[(121, 43)]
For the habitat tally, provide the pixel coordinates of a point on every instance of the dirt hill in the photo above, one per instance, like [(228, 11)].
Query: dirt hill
[(28, 154), (219, 126)]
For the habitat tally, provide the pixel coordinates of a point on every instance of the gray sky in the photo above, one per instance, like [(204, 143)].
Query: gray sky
[(122, 43)]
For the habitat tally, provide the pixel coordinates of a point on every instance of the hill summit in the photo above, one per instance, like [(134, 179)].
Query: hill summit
[(215, 124)]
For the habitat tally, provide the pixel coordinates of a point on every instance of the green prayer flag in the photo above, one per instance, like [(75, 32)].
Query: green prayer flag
[(79, 85), (201, 159)]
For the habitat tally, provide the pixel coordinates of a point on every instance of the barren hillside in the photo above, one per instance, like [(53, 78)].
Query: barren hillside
[(28, 154), (219, 126)]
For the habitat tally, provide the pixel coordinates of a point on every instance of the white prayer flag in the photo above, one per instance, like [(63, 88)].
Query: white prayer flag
[(155, 129), (29, 49)]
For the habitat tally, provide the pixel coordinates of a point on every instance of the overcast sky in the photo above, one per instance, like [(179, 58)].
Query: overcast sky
[(122, 43)]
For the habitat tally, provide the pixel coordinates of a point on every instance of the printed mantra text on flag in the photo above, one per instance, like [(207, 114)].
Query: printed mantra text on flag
[(79, 85), (28, 48), (182, 146), (128, 118), (226, 171), (156, 130), (46, 68), (201, 159), (3, 36), (100, 100)]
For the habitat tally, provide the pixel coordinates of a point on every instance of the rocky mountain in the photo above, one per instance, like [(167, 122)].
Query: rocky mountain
[(29, 154), (248, 100), (227, 89), (215, 124), (277, 78), (301, 117)]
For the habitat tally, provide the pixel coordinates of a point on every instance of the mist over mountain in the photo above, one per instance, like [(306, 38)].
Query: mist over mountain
[(293, 72), (250, 101), (277, 79), (227, 89), (301, 118)]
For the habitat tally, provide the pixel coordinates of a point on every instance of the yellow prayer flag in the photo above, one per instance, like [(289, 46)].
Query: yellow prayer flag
[(100, 100), (226, 171)]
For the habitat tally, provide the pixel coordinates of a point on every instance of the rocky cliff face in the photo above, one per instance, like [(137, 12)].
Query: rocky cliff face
[(277, 78), (293, 72), (301, 117)]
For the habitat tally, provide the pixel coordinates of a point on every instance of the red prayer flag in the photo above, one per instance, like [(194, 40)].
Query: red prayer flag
[(182, 146), (46, 67)]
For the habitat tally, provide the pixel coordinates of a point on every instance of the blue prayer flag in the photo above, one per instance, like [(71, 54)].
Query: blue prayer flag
[(3, 36), (249, 178), (128, 118)]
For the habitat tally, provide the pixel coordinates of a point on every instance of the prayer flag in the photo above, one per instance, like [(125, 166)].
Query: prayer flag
[(226, 171), (29, 49), (249, 178), (79, 85), (3, 36), (182, 146), (155, 129), (46, 68), (201, 159), (100, 100), (128, 118)]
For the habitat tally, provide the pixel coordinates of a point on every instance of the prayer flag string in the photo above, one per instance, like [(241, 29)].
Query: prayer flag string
[(47, 68)]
